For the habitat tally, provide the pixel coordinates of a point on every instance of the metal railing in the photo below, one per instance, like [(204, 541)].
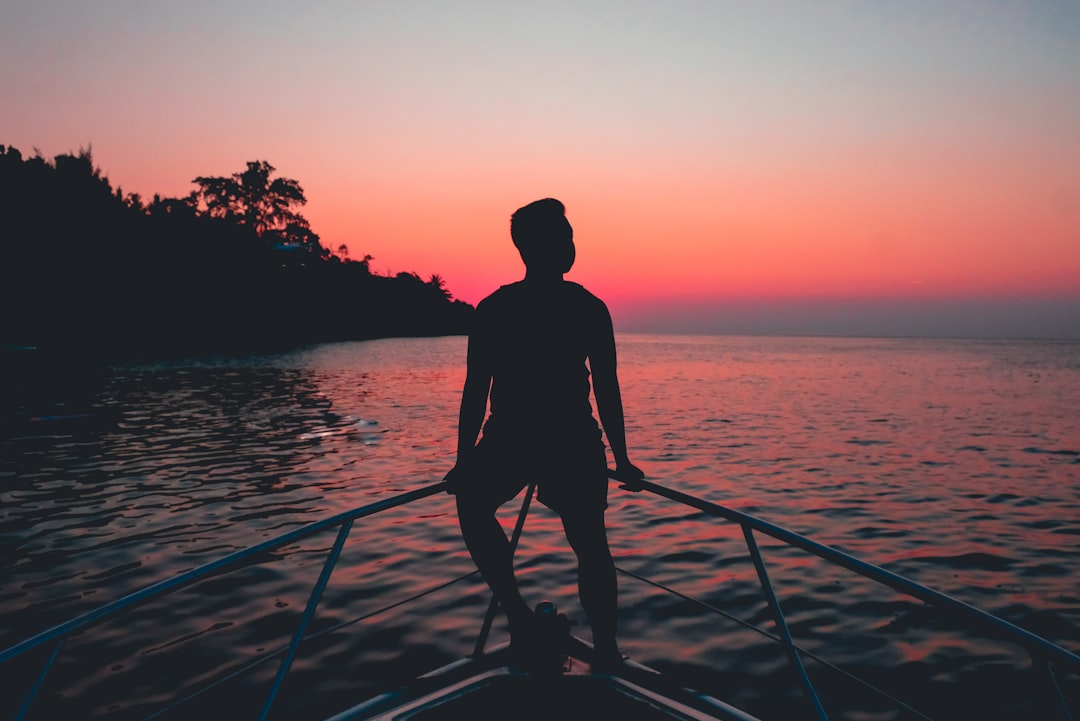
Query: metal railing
[(1045, 655), (57, 635)]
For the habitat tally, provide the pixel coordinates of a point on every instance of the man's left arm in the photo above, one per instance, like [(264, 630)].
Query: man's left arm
[(609, 405)]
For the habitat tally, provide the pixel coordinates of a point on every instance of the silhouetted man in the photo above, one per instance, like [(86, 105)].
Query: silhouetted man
[(527, 355)]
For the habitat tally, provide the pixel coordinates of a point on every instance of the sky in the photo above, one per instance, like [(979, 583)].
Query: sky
[(867, 167)]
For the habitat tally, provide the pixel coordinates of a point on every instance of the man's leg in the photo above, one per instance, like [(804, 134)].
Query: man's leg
[(491, 552), (596, 577)]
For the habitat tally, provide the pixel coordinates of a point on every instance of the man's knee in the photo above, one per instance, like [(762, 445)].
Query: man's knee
[(587, 536), (473, 505)]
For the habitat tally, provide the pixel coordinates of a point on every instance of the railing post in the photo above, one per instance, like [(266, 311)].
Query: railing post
[(309, 611), (493, 605), (231, 561), (1047, 669), (31, 692), (781, 623)]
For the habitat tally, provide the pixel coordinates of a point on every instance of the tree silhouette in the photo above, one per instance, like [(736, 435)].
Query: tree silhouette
[(91, 272), (175, 207), (269, 207), (439, 283)]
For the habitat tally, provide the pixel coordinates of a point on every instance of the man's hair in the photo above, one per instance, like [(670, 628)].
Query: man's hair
[(540, 228)]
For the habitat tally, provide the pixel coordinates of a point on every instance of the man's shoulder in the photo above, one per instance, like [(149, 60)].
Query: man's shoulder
[(499, 296), (582, 296), (515, 295), (582, 291)]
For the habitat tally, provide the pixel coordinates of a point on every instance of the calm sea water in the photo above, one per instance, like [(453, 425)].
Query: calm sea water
[(955, 463)]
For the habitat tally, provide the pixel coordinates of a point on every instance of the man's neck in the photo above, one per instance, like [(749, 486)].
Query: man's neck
[(542, 277)]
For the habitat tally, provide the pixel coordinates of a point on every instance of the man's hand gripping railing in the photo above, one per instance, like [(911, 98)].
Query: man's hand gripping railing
[(629, 475)]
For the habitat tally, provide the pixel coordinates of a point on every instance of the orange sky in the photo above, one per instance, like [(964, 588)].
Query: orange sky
[(705, 152), (958, 214)]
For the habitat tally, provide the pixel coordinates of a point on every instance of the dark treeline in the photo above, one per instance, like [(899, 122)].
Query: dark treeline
[(233, 267)]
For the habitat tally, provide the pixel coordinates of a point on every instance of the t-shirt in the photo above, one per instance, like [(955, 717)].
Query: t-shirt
[(535, 338)]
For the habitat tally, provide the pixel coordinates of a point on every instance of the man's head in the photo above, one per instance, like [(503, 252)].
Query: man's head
[(543, 236)]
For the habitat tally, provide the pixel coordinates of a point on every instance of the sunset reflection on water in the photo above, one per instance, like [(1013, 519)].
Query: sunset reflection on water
[(955, 463)]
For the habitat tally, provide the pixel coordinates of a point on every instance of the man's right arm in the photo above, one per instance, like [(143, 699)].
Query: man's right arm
[(474, 399)]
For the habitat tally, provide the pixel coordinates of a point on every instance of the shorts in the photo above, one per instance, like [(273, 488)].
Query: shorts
[(569, 468)]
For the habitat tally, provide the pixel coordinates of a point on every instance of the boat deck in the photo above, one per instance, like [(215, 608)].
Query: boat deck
[(530, 698), (491, 686)]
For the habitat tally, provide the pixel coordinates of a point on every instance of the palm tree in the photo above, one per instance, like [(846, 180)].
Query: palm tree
[(439, 283)]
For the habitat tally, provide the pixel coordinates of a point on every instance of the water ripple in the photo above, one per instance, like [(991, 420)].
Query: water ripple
[(942, 461)]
